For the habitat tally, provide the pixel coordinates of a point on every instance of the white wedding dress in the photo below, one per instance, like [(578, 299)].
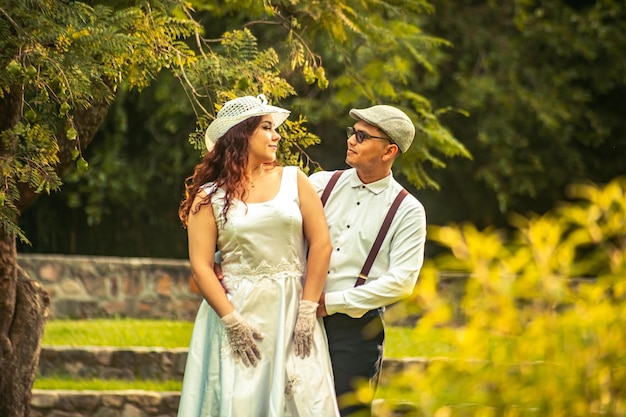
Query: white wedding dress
[(263, 253)]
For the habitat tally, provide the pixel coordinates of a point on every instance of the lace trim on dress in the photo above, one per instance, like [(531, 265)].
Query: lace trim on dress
[(236, 273)]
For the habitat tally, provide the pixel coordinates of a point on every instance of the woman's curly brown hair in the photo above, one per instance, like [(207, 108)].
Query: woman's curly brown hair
[(224, 165)]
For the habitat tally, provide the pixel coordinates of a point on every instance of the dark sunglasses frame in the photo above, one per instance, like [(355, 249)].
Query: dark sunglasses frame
[(361, 136)]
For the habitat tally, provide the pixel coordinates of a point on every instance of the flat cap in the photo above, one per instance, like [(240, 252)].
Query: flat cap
[(392, 121)]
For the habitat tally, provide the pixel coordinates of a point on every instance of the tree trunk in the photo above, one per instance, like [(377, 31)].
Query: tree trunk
[(23, 302), (23, 313)]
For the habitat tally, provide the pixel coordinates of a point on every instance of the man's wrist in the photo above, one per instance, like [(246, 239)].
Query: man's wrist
[(332, 302)]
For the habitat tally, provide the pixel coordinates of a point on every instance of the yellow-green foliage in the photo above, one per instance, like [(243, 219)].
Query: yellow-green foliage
[(543, 315), (58, 62)]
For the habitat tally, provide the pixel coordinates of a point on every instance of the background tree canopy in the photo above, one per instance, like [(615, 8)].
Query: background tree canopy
[(543, 83), (534, 90)]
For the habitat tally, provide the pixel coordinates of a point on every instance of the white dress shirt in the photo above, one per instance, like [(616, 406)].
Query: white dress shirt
[(355, 212)]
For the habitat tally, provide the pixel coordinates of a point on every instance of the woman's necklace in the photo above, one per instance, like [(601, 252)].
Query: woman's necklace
[(250, 180)]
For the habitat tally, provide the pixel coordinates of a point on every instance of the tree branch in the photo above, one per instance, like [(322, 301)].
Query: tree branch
[(87, 122), (15, 25)]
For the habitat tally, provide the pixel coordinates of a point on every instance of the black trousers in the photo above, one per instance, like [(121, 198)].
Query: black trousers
[(356, 353)]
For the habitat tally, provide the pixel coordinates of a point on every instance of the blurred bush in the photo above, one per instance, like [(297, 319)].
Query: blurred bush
[(542, 326)]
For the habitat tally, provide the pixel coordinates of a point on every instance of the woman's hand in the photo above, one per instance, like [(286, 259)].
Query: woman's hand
[(305, 325), (242, 339)]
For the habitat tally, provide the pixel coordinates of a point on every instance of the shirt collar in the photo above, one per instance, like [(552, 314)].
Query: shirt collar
[(376, 187)]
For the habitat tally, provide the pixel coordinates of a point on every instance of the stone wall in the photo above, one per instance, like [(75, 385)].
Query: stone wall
[(83, 287)]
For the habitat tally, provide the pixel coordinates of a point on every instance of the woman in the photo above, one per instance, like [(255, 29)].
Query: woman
[(257, 348)]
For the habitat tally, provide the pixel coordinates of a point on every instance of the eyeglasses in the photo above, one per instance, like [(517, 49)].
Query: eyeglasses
[(361, 136)]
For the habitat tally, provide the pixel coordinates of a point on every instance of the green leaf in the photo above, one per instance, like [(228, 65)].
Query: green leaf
[(65, 107), (82, 165), (14, 69), (30, 115), (71, 133), (31, 72)]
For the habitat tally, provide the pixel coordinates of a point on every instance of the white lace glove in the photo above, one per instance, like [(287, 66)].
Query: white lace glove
[(305, 324), (241, 337)]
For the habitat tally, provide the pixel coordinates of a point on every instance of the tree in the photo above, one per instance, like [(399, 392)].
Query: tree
[(543, 86), (63, 63), (362, 52)]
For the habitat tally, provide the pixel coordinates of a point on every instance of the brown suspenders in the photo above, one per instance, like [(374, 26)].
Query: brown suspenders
[(384, 228), (330, 186)]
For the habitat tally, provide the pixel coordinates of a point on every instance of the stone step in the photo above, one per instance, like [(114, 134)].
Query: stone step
[(151, 363), (145, 363), (113, 362), (123, 403), (134, 403)]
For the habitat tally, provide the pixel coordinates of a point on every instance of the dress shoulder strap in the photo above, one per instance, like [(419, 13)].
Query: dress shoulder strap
[(290, 174), (290, 179)]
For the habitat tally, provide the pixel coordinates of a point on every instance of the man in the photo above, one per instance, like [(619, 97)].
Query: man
[(355, 211)]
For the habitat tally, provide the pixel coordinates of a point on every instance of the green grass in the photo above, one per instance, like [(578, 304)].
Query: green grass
[(118, 332), (400, 342), (62, 382)]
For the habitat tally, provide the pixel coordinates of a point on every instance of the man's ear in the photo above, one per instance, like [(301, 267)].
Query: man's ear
[(391, 152)]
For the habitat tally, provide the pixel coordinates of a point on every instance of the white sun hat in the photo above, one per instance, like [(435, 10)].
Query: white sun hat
[(239, 109)]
